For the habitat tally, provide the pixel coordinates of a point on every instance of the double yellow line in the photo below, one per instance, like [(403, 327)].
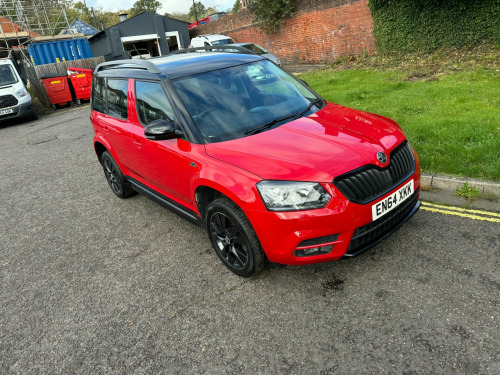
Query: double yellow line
[(463, 212)]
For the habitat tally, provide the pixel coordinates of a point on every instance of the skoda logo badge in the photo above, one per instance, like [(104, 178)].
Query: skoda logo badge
[(381, 157)]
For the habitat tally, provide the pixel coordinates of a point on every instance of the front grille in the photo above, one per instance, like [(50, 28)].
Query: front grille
[(375, 231), (7, 101), (371, 182)]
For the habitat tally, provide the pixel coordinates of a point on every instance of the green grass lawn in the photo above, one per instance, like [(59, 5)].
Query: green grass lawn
[(451, 118)]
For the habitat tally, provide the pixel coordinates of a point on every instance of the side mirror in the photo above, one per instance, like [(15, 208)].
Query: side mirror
[(159, 130)]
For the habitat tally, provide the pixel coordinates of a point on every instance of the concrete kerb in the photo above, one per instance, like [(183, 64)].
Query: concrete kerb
[(442, 189), (451, 183)]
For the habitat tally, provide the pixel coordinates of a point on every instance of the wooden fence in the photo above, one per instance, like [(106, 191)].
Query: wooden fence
[(62, 67)]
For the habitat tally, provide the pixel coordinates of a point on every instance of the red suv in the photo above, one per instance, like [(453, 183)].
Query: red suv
[(235, 144)]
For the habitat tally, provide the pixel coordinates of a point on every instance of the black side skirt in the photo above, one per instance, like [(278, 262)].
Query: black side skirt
[(168, 203)]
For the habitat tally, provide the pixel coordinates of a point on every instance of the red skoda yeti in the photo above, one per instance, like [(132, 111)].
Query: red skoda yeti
[(235, 144)]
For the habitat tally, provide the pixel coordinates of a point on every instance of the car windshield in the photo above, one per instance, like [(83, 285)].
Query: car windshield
[(243, 100), (222, 42), (255, 49), (139, 51), (7, 76)]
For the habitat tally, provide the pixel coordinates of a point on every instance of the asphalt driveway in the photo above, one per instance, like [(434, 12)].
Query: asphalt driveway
[(91, 284)]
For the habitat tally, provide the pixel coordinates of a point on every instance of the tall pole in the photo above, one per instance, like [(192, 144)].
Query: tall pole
[(195, 13), (93, 15), (87, 10)]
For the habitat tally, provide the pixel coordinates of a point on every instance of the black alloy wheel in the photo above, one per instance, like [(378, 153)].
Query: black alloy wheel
[(114, 176), (230, 241), (233, 238)]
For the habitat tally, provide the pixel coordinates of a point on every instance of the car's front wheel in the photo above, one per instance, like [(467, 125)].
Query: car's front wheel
[(233, 238), (114, 176)]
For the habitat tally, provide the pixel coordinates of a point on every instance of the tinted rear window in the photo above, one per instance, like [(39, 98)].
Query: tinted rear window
[(98, 88), (117, 98)]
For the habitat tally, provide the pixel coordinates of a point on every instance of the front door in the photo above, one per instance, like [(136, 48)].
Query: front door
[(161, 165)]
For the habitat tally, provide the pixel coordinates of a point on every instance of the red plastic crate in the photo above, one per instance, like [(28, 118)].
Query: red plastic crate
[(57, 88), (81, 80)]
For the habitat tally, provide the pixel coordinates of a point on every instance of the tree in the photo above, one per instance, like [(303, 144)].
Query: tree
[(236, 7), (83, 12), (178, 16), (145, 6), (107, 19), (209, 11), (197, 10), (270, 15)]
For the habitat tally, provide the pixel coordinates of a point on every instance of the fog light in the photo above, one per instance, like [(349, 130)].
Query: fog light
[(313, 251)]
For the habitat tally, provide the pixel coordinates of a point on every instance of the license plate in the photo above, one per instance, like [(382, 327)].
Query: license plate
[(6, 111), (388, 204)]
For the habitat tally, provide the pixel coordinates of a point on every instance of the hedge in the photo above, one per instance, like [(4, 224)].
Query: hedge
[(426, 25)]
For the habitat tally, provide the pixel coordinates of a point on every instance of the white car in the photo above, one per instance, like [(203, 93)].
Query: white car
[(258, 50), (140, 53), (211, 40)]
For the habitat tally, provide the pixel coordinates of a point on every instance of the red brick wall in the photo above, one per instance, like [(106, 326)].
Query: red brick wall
[(319, 32)]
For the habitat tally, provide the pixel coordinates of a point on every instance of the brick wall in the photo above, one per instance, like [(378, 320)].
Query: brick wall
[(319, 32)]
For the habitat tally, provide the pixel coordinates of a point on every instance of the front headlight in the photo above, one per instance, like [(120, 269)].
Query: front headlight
[(292, 195), (22, 93)]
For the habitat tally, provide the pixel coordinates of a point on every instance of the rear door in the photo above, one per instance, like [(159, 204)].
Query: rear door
[(110, 114)]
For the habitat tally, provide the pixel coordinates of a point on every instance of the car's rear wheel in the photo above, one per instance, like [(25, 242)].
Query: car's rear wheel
[(233, 238), (114, 176)]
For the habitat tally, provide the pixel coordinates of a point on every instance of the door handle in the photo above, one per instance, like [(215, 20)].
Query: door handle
[(137, 142)]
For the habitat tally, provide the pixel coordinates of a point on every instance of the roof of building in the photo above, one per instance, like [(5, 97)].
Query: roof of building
[(96, 36), (80, 27), (9, 27)]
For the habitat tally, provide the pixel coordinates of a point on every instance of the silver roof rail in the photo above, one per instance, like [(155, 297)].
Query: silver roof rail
[(129, 64)]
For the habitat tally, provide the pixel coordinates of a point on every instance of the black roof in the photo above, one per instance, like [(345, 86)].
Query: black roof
[(180, 65)]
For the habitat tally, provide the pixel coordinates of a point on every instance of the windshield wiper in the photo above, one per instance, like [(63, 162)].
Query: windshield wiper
[(314, 102), (295, 116), (261, 128)]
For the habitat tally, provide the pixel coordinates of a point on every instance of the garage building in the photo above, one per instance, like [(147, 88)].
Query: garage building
[(146, 31)]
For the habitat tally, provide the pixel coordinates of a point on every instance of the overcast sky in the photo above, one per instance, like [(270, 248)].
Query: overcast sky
[(170, 6)]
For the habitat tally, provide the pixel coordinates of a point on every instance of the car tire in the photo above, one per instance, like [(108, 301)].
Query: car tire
[(119, 185), (233, 238)]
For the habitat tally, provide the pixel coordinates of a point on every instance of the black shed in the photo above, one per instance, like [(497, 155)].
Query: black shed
[(146, 31)]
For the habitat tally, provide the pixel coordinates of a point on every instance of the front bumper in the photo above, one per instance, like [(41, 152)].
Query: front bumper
[(21, 110), (281, 233)]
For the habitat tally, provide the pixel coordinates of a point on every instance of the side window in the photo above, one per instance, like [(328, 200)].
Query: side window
[(117, 98), (98, 95), (151, 102)]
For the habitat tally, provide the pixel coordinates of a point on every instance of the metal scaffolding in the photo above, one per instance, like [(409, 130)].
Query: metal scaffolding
[(26, 21)]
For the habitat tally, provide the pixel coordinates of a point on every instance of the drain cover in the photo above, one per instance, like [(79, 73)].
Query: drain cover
[(37, 141)]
